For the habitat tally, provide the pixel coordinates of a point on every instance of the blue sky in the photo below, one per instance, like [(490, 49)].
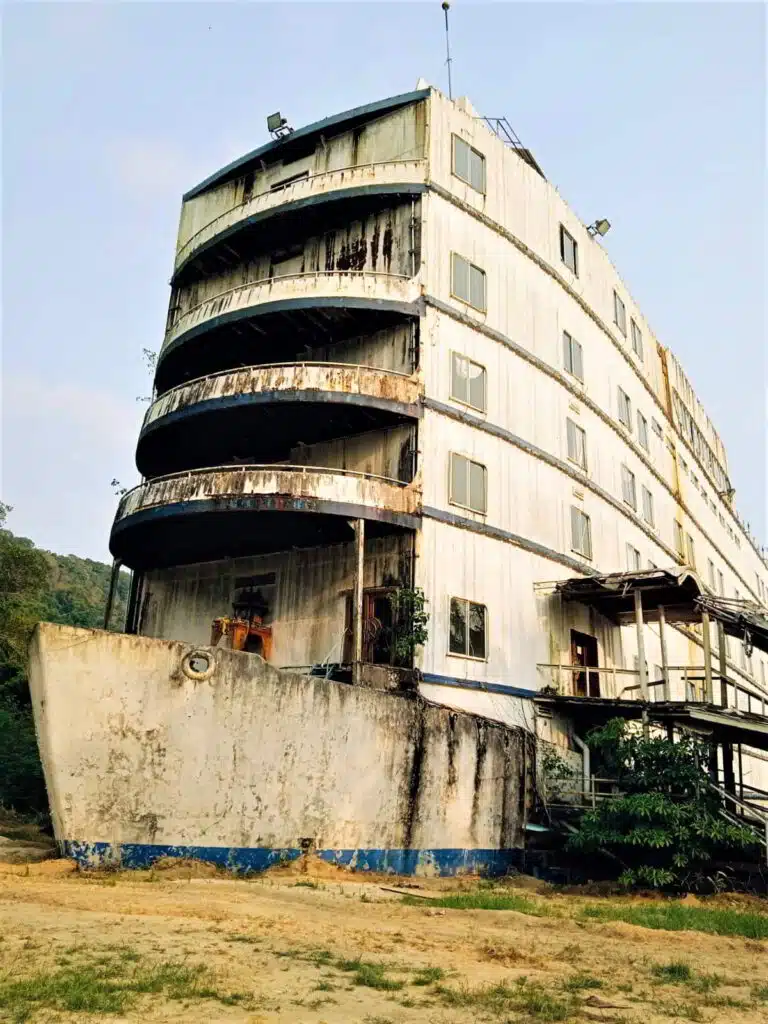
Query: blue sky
[(652, 115)]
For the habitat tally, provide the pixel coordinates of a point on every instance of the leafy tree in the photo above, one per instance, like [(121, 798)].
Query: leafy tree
[(409, 623), (665, 829)]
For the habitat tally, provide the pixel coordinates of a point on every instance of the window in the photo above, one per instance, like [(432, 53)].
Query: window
[(633, 558), (711, 570), (720, 584), (569, 251), (573, 357), (625, 410), (619, 314), (468, 484), (695, 482), (468, 282), (679, 539), (637, 339), (629, 487), (656, 427), (577, 444), (642, 430), (468, 164), (467, 628), (581, 533), (467, 382), (648, 514), (289, 181), (691, 552)]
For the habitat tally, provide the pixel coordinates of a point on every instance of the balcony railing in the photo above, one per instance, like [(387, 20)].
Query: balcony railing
[(312, 485), (342, 284), (341, 378), (389, 172)]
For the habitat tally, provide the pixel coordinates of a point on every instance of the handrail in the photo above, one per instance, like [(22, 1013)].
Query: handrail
[(281, 277), (270, 467), (288, 185), (273, 366)]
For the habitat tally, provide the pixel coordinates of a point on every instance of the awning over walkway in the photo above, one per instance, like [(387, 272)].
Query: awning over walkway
[(613, 595)]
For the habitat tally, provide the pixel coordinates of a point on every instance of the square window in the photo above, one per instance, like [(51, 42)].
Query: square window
[(467, 484), (573, 357), (468, 282), (642, 430), (629, 487), (581, 532), (569, 251), (619, 314), (468, 164), (637, 340), (625, 410), (648, 512), (467, 630), (577, 443), (467, 382)]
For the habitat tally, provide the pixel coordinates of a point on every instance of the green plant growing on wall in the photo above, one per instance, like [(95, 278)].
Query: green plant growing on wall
[(409, 624), (556, 773), (664, 831)]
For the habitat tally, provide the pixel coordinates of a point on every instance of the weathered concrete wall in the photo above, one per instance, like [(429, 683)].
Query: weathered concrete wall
[(307, 602), (389, 453), (141, 760)]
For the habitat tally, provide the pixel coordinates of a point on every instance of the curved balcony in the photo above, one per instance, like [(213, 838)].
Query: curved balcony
[(226, 511), (281, 312), (265, 411), (393, 177)]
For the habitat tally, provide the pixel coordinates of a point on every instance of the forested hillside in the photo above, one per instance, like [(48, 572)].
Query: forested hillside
[(35, 585)]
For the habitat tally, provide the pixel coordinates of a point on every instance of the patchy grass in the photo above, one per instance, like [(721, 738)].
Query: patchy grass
[(676, 973), (370, 975), (483, 900), (676, 917), (106, 985), (532, 1000), (428, 976), (581, 981), (306, 883)]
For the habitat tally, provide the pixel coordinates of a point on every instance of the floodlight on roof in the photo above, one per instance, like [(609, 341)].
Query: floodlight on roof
[(600, 227), (277, 126)]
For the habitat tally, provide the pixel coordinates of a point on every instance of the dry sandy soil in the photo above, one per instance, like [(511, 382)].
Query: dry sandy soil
[(274, 950)]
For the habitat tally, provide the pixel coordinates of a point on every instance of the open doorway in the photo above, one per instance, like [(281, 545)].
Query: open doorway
[(584, 652)]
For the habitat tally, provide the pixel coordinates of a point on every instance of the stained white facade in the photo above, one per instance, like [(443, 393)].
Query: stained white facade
[(365, 212)]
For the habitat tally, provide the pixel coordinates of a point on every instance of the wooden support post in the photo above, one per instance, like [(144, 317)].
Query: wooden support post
[(741, 776), (358, 526), (664, 659), (111, 593), (722, 651), (641, 664), (707, 657)]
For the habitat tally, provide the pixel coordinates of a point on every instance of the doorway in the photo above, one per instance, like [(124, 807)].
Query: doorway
[(584, 652)]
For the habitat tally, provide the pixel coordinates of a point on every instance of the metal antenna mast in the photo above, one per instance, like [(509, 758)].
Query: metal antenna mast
[(446, 8)]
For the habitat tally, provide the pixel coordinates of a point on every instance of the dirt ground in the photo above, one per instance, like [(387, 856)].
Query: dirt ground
[(278, 949)]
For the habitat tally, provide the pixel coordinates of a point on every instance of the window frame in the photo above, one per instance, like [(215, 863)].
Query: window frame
[(625, 401), (565, 233), (584, 554), (569, 423), (637, 339), (467, 181), (466, 402), (648, 506), (471, 266), (469, 462), (628, 477), (679, 538), (619, 304), (571, 371), (643, 438), (636, 558), (467, 602)]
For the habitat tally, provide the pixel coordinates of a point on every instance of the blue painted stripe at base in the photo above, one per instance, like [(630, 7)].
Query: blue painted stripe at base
[(478, 684), (249, 860)]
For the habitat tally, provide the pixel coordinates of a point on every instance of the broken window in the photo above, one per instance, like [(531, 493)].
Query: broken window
[(577, 444), (625, 410), (637, 340), (468, 282), (467, 628), (467, 485), (648, 513), (468, 164), (633, 558), (619, 314), (629, 487), (467, 382), (569, 251), (642, 430)]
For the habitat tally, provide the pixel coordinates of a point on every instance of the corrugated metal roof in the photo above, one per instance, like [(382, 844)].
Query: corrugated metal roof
[(346, 119)]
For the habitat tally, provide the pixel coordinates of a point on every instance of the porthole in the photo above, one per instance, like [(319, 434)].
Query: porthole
[(198, 665)]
